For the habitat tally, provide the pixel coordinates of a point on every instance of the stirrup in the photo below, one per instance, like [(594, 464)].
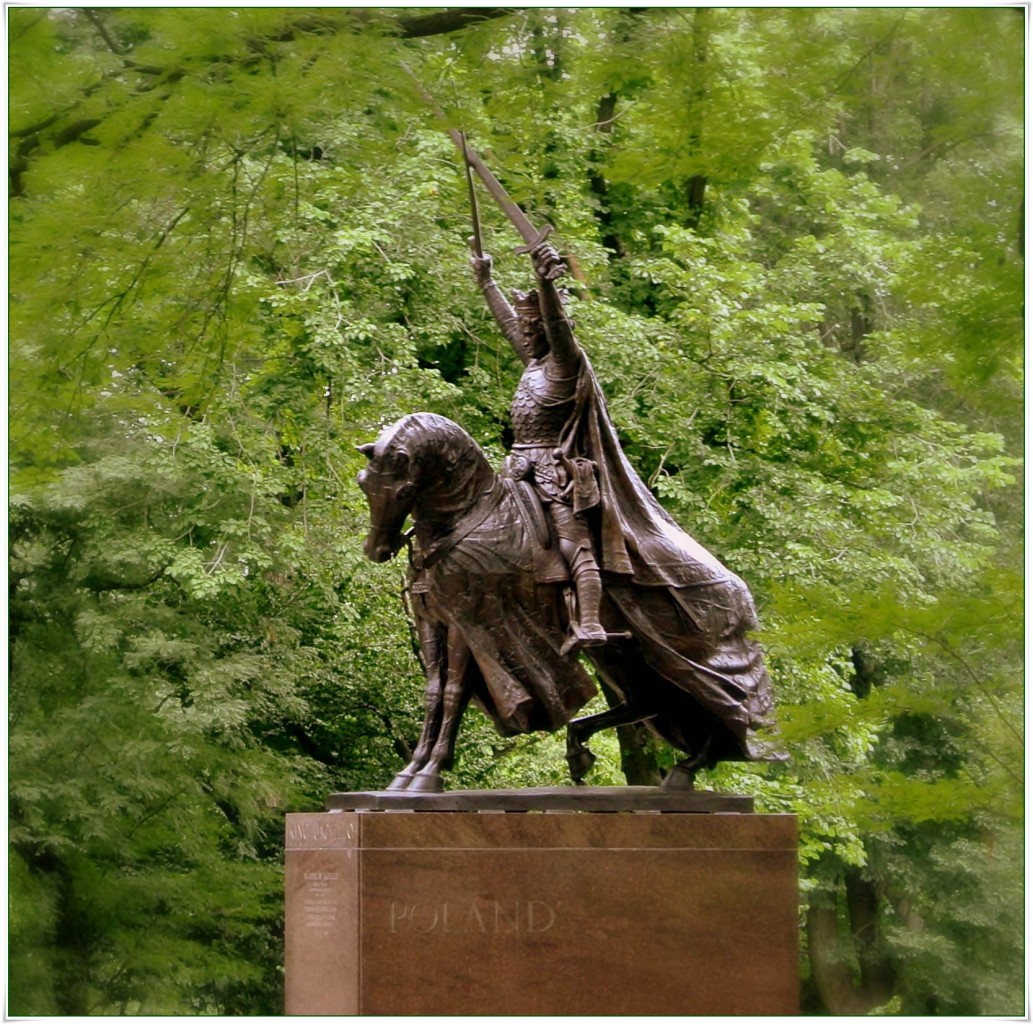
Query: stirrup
[(596, 638)]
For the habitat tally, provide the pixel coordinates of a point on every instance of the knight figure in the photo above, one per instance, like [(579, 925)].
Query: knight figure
[(542, 411)]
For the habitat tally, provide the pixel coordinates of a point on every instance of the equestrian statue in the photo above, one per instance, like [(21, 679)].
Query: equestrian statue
[(564, 556)]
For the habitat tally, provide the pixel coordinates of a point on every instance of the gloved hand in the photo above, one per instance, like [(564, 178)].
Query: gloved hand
[(481, 264), (548, 264)]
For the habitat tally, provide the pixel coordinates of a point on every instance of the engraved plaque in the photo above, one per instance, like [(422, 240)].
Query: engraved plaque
[(564, 913), (321, 940)]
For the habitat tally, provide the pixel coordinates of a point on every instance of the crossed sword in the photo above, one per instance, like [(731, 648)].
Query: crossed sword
[(532, 236)]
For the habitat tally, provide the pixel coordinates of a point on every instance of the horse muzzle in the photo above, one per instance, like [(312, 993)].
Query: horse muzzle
[(377, 550)]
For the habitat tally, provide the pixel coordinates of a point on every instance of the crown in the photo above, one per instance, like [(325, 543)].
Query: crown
[(526, 303)]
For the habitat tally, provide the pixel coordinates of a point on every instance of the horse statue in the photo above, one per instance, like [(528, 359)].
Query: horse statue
[(491, 598)]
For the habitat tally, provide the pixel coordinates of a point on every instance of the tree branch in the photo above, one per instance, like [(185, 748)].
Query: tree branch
[(409, 27), (974, 676), (99, 25), (451, 20)]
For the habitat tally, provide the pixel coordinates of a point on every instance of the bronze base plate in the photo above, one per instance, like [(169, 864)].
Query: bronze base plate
[(549, 798)]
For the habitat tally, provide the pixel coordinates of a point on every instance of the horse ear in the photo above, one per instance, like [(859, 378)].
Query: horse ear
[(366, 449)]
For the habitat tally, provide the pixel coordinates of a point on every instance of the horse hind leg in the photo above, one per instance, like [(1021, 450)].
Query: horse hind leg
[(683, 774), (579, 758)]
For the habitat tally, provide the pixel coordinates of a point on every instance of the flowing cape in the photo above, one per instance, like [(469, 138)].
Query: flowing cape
[(690, 615)]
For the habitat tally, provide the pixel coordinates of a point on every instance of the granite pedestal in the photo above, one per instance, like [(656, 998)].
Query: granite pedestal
[(479, 912)]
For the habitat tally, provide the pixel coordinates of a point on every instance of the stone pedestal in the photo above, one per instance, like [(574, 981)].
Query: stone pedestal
[(559, 913)]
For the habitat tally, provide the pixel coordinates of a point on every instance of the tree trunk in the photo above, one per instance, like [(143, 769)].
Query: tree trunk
[(696, 187), (851, 973), (547, 43), (878, 977), (547, 49), (606, 111), (829, 969), (638, 749), (600, 187)]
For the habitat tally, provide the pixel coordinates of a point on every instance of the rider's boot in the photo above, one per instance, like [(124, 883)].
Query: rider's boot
[(589, 589), (587, 631)]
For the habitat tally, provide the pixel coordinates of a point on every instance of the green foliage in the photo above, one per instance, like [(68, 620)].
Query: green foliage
[(237, 245)]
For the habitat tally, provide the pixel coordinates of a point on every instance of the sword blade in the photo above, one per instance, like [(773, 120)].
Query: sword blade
[(531, 235), (478, 247), (528, 232)]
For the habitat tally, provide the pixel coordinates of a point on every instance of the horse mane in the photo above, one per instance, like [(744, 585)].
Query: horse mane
[(449, 467)]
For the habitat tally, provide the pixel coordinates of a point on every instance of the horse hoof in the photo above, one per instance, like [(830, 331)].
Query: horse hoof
[(426, 784), (400, 781), (680, 778), (579, 763)]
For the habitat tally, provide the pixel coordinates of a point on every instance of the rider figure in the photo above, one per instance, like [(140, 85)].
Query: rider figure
[(542, 406)]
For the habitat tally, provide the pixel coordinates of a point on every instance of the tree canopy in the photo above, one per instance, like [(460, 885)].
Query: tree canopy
[(237, 249)]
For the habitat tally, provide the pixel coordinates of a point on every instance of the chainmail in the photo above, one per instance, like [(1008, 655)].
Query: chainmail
[(541, 407)]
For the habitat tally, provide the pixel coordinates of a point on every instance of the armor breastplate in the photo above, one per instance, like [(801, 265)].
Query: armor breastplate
[(541, 406)]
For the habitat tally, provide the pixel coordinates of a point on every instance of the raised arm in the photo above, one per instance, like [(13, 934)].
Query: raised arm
[(505, 316), (559, 330)]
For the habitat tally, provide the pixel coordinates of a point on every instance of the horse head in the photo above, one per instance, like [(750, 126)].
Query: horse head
[(424, 465)]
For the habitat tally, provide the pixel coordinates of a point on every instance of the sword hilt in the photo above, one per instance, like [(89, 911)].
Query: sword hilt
[(522, 250)]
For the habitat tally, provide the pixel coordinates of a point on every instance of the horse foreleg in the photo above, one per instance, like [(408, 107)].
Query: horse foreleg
[(453, 704), (433, 647), (579, 758)]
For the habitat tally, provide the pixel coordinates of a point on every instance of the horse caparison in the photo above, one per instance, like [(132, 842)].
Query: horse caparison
[(490, 596)]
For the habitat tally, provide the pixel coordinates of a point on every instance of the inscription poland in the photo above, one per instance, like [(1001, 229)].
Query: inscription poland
[(488, 917), (320, 901)]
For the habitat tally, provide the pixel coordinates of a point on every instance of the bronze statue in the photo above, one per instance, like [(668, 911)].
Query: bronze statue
[(490, 569), (515, 575)]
